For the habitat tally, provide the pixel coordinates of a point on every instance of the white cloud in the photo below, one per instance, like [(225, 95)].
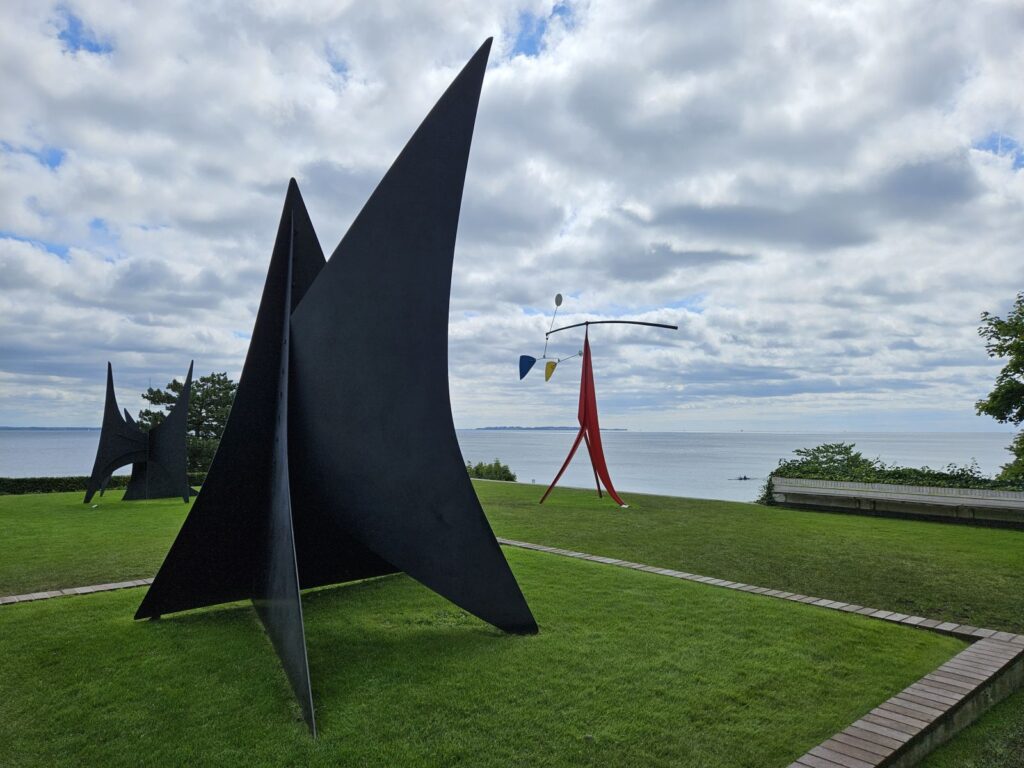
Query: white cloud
[(798, 186)]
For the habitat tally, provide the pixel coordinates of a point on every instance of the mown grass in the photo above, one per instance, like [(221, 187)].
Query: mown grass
[(942, 571), (53, 540), (629, 669), (956, 573), (995, 741), (968, 575)]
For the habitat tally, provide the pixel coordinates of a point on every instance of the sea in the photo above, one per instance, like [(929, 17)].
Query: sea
[(694, 464)]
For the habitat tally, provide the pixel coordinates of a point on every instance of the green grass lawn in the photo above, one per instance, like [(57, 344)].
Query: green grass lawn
[(629, 669), (995, 741), (53, 540), (941, 571), (968, 575)]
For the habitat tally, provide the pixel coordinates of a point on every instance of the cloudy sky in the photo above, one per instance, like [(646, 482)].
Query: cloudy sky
[(823, 196)]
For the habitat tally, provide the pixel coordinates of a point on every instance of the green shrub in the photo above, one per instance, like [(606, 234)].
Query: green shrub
[(1014, 471), (18, 485), (766, 496), (493, 471), (839, 461)]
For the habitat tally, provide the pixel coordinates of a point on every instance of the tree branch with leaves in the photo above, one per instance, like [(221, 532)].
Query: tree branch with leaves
[(1004, 339), (208, 409)]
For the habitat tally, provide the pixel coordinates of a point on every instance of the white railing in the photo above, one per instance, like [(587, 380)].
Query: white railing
[(922, 494), (962, 504)]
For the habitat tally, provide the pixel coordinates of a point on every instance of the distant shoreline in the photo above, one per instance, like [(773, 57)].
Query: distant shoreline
[(49, 429), (838, 433), (541, 429)]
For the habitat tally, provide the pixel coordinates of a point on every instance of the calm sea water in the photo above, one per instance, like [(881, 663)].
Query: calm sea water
[(696, 464), (49, 453), (703, 464)]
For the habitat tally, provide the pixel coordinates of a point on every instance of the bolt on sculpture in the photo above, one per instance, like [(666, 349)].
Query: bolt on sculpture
[(158, 457), (590, 427), (328, 472)]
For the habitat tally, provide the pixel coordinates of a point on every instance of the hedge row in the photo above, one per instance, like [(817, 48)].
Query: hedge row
[(19, 485)]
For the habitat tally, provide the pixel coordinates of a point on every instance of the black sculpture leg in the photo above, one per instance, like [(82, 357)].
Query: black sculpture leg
[(238, 541), (120, 444), (276, 596), (373, 445), (137, 483), (105, 483), (218, 555)]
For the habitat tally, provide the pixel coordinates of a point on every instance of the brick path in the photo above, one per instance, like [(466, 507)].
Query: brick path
[(74, 591)]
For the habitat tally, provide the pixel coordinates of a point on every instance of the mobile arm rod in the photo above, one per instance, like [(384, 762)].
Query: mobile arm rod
[(612, 322)]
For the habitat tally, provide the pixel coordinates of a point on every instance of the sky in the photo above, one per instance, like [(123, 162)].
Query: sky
[(824, 197)]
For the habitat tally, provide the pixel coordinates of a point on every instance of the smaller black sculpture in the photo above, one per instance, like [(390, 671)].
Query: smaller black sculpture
[(158, 457)]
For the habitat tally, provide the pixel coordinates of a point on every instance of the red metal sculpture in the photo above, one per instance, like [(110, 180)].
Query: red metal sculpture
[(590, 428), (590, 431)]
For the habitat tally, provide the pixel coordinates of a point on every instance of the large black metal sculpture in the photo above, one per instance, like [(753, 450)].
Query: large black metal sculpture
[(158, 457), (330, 472)]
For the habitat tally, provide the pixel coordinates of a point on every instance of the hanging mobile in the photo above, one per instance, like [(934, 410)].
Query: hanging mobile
[(526, 362), (590, 428)]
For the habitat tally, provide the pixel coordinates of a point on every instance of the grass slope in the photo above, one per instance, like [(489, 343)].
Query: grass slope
[(629, 669), (941, 571)]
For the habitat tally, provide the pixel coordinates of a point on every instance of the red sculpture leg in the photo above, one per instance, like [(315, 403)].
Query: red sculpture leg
[(590, 430), (572, 452), (597, 482)]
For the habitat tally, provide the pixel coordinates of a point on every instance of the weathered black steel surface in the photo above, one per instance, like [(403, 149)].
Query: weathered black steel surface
[(217, 556), (158, 457), (120, 443), (137, 483), (276, 588), (331, 470), (238, 542), (164, 473), (373, 444)]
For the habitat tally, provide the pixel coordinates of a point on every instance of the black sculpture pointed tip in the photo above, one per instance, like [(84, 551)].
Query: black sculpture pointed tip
[(292, 196), (482, 53)]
